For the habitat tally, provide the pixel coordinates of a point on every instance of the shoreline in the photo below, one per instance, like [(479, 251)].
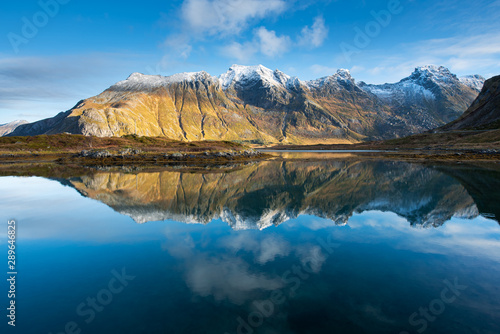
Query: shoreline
[(69, 166), (401, 155), (218, 157), (79, 150)]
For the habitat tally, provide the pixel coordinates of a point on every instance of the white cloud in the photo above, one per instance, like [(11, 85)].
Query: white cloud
[(264, 41), (266, 250), (180, 45), (477, 54), (455, 237), (226, 277), (378, 70), (271, 247), (314, 36), (270, 44), (357, 69), (465, 54), (323, 70), (241, 52), (311, 257), (32, 88), (227, 17), (478, 45)]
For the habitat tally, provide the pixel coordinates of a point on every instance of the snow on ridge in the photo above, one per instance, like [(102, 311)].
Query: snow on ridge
[(473, 81), (15, 123), (431, 68), (140, 81), (250, 74), (469, 212), (399, 90), (417, 84), (141, 216), (342, 75), (342, 72), (437, 74)]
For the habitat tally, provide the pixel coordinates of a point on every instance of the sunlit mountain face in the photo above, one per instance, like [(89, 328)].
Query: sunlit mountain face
[(270, 193)]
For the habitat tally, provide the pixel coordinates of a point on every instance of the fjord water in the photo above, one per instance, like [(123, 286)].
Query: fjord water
[(324, 246)]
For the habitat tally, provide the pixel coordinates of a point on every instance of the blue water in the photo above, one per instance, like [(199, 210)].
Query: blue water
[(330, 263)]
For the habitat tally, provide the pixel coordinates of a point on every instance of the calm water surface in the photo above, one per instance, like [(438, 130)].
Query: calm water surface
[(276, 247)]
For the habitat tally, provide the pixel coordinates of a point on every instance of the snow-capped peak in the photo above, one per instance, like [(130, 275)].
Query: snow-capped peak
[(415, 87), (342, 76), (473, 81), (139, 81), (342, 72), (246, 75), (431, 68), (435, 73)]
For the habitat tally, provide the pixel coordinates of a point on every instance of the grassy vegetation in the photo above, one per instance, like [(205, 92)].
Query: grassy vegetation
[(63, 148), (67, 143), (458, 140), (455, 140), (115, 151)]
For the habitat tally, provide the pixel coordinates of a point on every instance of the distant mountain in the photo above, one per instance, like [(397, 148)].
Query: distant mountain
[(478, 128), (255, 104), (5, 129), (475, 82), (430, 96), (484, 113)]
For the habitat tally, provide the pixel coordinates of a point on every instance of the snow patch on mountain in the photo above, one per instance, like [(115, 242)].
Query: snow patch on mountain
[(473, 81), (421, 84), (138, 81), (7, 128), (436, 74), (249, 75), (415, 86), (469, 212), (399, 91), (342, 77)]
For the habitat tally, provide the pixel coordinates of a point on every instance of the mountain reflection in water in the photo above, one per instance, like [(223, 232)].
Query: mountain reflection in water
[(272, 192), (371, 276)]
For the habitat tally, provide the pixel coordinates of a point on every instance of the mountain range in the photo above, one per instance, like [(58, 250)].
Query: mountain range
[(254, 104)]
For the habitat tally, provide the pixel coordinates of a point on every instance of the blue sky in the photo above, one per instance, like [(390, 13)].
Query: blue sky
[(55, 52)]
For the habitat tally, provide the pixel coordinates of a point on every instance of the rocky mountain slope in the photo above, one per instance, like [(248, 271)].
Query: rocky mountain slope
[(477, 129), (430, 96), (484, 113), (257, 105), (5, 129)]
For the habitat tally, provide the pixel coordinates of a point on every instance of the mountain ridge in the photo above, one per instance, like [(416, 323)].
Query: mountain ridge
[(484, 112), (257, 105)]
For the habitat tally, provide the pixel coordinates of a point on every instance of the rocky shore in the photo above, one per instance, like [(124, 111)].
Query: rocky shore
[(137, 156)]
